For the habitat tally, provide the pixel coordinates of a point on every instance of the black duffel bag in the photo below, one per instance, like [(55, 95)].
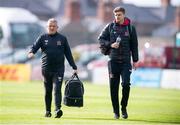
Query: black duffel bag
[(74, 91)]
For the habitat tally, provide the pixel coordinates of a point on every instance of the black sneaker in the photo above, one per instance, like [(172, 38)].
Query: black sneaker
[(116, 116), (124, 113), (58, 113), (48, 114)]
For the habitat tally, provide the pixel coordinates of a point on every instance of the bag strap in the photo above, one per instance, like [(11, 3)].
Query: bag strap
[(130, 30), (74, 76), (111, 27)]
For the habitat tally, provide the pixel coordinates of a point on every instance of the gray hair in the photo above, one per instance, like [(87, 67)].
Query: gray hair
[(52, 20)]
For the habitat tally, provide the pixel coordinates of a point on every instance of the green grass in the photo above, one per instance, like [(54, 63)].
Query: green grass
[(24, 104)]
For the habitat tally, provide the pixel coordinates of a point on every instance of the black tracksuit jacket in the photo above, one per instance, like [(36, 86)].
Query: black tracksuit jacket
[(128, 45), (54, 48)]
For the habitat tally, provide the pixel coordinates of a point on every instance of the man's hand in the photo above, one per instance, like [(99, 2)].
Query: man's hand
[(115, 45), (134, 65), (30, 55)]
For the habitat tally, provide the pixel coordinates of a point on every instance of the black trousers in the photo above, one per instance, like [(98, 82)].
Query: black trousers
[(53, 79), (116, 70)]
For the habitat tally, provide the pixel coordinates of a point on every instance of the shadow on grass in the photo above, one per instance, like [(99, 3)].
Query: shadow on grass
[(153, 121), (128, 120), (75, 118)]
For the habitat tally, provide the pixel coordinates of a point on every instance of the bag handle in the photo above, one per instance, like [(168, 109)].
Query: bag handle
[(74, 75)]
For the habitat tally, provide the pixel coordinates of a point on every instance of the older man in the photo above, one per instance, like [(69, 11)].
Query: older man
[(54, 47)]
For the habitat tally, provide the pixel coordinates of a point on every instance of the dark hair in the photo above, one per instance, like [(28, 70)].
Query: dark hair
[(119, 9)]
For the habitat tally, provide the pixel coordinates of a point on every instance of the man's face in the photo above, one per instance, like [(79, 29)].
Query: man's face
[(52, 27), (119, 16)]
